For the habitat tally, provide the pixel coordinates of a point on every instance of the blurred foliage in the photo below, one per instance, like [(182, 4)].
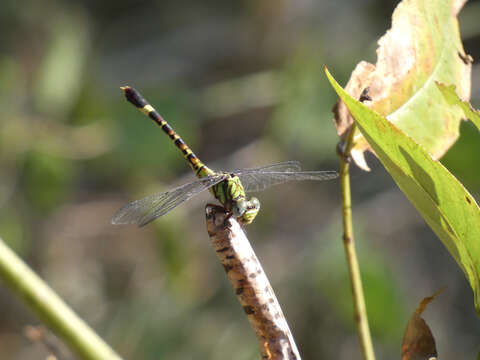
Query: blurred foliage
[(47, 181), (242, 83)]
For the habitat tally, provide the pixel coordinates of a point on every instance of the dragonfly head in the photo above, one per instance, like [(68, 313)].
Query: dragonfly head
[(246, 210)]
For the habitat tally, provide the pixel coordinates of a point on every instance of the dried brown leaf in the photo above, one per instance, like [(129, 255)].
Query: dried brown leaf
[(418, 342)]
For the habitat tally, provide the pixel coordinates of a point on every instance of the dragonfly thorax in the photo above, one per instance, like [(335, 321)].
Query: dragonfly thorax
[(231, 194)]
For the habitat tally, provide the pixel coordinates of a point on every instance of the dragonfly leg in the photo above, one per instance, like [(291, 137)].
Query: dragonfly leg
[(229, 215), (216, 206), (213, 209)]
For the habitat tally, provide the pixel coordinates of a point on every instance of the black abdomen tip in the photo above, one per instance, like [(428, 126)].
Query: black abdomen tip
[(134, 97)]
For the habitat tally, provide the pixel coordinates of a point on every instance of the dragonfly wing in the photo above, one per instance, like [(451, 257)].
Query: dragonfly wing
[(145, 210), (259, 181), (285, 166)]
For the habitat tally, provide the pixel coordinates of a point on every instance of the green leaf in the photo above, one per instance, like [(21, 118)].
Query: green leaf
[(422, 46), (451, 96), (441, 199)]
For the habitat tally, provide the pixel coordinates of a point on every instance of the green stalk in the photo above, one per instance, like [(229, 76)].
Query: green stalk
[(51, 309), (360, 309)]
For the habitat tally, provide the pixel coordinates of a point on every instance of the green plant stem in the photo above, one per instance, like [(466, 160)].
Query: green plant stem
[(51, 309), (360, 309)]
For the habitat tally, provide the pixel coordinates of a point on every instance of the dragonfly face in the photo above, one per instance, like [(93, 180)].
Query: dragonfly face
[(246, 211)]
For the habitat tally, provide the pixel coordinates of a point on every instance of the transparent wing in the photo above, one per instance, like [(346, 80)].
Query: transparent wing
[(285, 166), (143, 211), (259, 179)]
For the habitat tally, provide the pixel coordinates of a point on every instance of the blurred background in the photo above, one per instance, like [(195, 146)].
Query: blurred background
[(242, 83)]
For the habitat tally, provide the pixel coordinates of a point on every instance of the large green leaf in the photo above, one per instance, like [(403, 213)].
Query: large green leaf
[(422, 46), (450, 94), (441, 199)]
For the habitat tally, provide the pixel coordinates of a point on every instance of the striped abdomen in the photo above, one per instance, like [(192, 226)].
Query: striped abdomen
[(134, 97)]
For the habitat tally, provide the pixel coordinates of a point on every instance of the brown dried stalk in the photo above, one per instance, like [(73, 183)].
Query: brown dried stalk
[(251, 285)]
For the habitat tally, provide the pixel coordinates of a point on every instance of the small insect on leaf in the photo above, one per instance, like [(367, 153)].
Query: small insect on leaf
[(418, 341)]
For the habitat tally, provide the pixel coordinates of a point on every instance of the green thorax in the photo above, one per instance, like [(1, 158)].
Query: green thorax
[(227, 191), (230, 193)]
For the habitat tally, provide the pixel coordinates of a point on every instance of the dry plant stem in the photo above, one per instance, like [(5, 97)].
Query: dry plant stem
[(51, 309), (351, 255), (251, 285)]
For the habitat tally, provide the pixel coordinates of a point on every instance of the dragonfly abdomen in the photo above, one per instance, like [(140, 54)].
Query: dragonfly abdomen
[(134, 97)]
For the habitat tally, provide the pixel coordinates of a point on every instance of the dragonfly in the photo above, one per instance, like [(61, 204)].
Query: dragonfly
[(228, 187)]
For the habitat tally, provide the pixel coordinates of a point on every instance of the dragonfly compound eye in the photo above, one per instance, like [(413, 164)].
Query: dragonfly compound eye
[(239, 207)]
